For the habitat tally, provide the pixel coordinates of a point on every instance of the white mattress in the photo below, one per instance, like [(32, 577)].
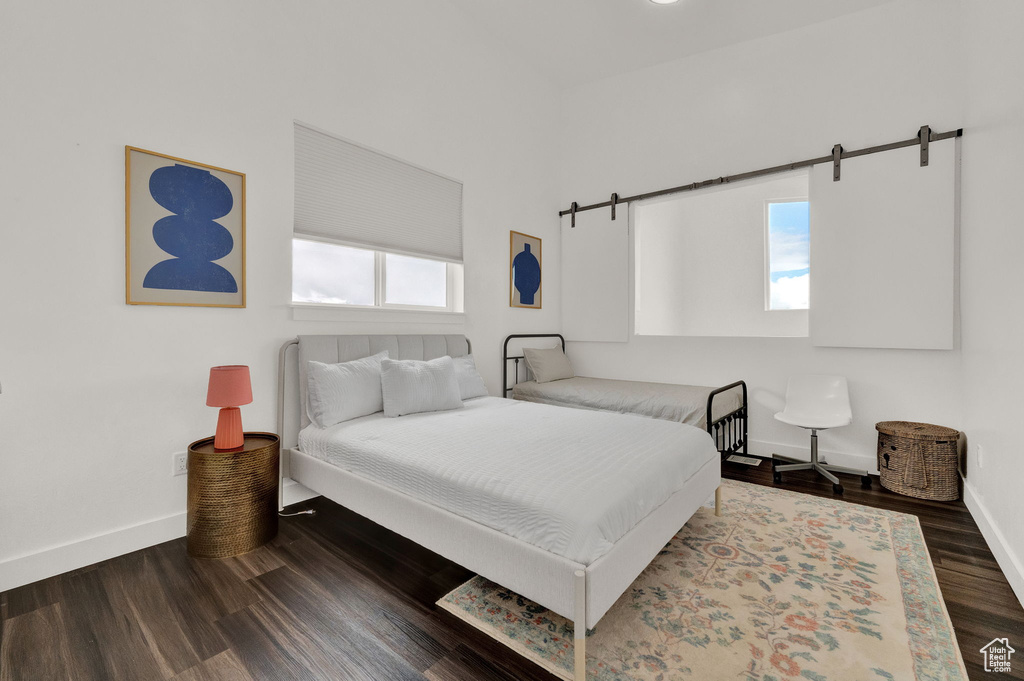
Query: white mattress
[(670, 402), (568, 481)]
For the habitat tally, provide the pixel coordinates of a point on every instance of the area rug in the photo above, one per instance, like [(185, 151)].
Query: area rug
[(782, 586)]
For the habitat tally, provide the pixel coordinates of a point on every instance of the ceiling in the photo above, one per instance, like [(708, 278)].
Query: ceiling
[(578, 41)]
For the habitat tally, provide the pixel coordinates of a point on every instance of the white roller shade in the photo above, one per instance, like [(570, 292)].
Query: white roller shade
[(359, 196)]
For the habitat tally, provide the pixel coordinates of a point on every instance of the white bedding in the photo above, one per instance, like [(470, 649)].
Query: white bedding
[(569, 481), (682, 403)]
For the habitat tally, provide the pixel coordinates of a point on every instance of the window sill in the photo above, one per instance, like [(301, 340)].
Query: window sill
[(311, 312)]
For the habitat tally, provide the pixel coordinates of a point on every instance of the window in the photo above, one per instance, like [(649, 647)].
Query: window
[(415, 281), (788, 236), (373, 231), (336, 274), (702, 261), (330, 273)]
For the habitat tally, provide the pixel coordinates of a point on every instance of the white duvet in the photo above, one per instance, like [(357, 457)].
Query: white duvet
[(569, 481), (668, 401)]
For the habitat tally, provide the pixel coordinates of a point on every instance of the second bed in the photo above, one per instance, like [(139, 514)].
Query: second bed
[(722, 412)]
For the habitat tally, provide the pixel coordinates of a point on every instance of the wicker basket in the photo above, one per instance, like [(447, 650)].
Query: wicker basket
[(919, 459)]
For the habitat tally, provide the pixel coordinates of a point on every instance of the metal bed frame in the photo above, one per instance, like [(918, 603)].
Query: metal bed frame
[(729, 431)]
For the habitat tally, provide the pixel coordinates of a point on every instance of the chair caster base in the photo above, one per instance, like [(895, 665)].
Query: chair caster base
[(837, 488), (865, 481), (776, 477)]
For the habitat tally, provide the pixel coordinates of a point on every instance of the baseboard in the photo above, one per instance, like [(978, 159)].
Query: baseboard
[(1008, 561), (868, 462), (32, 567)]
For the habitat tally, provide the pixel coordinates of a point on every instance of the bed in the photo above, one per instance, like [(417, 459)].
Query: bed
[(565, 507), (726, 405)]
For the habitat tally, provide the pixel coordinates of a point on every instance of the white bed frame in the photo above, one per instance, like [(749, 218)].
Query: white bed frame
[(581, 593)]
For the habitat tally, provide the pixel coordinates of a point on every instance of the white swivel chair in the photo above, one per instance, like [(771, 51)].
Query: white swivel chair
[(816, 402)]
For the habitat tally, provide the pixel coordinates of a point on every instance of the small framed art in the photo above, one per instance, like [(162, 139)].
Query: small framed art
[(525, 270), (184, 232)]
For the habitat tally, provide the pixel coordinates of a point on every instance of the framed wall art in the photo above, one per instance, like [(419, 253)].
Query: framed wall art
[(525, 270), (184, 232)]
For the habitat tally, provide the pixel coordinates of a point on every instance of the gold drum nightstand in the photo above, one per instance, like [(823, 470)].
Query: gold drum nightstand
[(232, 496)]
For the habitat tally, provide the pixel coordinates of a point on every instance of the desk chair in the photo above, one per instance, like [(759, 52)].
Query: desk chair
[(815, 402)]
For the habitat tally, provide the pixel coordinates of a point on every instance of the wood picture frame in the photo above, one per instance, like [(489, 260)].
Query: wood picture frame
[(525, 271), (184, 232)]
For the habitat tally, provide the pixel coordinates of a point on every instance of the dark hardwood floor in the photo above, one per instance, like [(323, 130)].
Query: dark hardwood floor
[(336, 597)]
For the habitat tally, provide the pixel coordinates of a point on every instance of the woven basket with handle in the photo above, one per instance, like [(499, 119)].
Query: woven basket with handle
[(919, 459)]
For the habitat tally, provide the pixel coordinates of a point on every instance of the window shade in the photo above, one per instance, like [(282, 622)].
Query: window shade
[(359, 196)]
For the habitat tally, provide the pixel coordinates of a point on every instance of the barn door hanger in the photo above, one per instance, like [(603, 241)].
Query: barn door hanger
[(925, 135)]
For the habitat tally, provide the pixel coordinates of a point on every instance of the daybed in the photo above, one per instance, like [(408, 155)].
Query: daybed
[(689, 404), (565, 507)]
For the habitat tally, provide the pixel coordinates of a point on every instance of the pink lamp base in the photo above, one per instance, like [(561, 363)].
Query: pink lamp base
[(229, 429)]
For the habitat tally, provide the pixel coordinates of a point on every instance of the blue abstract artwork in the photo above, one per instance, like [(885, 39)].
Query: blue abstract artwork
[(185, 232), (526, 271), (197, 198)]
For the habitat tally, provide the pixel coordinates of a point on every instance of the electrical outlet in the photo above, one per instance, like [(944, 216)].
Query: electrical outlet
[(179, 463), (979, 456)]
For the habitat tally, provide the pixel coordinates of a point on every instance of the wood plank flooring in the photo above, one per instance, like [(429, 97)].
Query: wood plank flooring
[(335, 596)]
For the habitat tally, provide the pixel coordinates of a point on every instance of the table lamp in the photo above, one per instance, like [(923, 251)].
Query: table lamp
[(229, 389)]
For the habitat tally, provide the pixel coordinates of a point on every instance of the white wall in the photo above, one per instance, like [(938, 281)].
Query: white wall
[(868, 78), (97, 394), (864, 79), (992, 282)]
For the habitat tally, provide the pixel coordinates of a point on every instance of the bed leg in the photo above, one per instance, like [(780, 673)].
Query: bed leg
[(580, 626), (718, 501)]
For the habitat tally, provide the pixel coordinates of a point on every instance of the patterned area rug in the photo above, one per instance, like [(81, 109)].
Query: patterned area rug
[(782, 586)]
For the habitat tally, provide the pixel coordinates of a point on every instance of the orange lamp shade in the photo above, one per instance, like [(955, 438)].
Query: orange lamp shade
[(229, 389), (229, 386)]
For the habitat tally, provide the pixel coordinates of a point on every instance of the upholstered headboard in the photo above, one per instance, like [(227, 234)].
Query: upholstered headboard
[(333, 349)]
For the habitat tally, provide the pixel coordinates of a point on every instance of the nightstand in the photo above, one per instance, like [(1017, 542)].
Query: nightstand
[(232, 496)]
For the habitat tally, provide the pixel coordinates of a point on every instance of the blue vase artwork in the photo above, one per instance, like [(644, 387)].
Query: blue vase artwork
[(197, 198), (525, 271)]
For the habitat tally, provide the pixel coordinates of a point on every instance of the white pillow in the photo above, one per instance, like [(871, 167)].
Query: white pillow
[(411, 386), (341, 392), (548, 364), (471, 384)]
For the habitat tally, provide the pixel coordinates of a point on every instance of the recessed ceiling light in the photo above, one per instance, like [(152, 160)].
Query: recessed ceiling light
[(664, 2)]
